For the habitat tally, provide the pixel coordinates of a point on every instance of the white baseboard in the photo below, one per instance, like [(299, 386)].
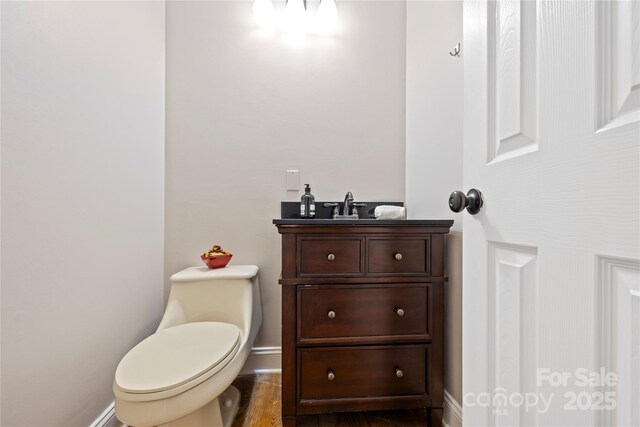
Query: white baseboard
[(452, 411), (263, 360), (107, 418)]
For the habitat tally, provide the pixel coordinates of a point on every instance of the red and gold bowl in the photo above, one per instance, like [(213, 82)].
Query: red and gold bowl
[(216, 261)]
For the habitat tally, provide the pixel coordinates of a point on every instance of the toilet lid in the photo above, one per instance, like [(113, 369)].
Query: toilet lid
[(174, 356)]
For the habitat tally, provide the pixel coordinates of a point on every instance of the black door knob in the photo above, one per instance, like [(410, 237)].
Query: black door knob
[(472, 201)]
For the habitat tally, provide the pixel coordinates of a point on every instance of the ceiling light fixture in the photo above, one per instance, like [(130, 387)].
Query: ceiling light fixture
[(295, 19), (327, 19), (263, 12), (295, 16)]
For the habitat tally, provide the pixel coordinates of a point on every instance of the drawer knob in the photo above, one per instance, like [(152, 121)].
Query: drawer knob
[(331, 314), (398, 256), (331, 257), (399, 312), (331, 376), (399, 373)]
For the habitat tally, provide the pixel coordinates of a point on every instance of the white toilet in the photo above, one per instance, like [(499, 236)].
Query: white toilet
[(182, 374)]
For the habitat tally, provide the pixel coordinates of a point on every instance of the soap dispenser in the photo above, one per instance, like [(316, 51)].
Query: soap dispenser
[(307, 203)]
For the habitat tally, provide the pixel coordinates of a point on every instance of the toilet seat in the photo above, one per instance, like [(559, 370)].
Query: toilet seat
[(176, 359)]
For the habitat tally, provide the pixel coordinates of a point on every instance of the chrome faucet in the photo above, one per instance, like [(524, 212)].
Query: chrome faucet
[(348, 201), (349, 208)]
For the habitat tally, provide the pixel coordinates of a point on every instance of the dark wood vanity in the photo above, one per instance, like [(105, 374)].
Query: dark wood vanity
[(362, 316)]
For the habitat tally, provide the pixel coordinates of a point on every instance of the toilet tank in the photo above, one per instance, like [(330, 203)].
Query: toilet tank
[(230, 295)]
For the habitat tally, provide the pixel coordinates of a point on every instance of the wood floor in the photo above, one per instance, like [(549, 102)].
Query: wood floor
[(260, 407)]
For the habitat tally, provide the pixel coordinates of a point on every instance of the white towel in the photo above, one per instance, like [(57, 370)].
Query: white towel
[(390, 212)]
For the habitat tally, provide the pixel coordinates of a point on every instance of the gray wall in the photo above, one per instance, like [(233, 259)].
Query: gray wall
[(434, 145), (243, 106), (82, 201)]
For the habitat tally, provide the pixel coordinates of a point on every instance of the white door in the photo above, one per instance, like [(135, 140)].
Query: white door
[(551, 262)]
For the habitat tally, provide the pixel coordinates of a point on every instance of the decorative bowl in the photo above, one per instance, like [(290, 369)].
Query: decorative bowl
[(216, 261)]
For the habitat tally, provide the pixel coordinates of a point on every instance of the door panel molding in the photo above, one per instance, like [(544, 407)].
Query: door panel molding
[(512, 79), (618, 63), (618, 335), (513, 328)]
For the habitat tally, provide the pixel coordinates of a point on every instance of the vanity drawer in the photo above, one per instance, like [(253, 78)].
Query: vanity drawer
[(326, 257), (347, 372), (389, 256), (338, 314)]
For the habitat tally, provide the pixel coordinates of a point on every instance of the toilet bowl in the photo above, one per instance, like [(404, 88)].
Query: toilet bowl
[(182, 374)]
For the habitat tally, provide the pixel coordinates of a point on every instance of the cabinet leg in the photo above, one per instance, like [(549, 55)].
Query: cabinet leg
[(435, 415), (289, 421)]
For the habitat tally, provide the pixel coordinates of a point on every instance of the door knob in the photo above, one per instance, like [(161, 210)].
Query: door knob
[(472, 201)]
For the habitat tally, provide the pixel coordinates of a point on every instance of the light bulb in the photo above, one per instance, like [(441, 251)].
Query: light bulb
[(263, 12), (327, 17), (295, 16)]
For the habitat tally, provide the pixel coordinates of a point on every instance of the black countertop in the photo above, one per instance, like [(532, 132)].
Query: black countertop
[(290, 212), (427, 222)]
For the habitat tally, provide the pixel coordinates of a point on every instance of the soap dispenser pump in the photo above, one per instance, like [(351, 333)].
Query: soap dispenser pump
[(307, 203)]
